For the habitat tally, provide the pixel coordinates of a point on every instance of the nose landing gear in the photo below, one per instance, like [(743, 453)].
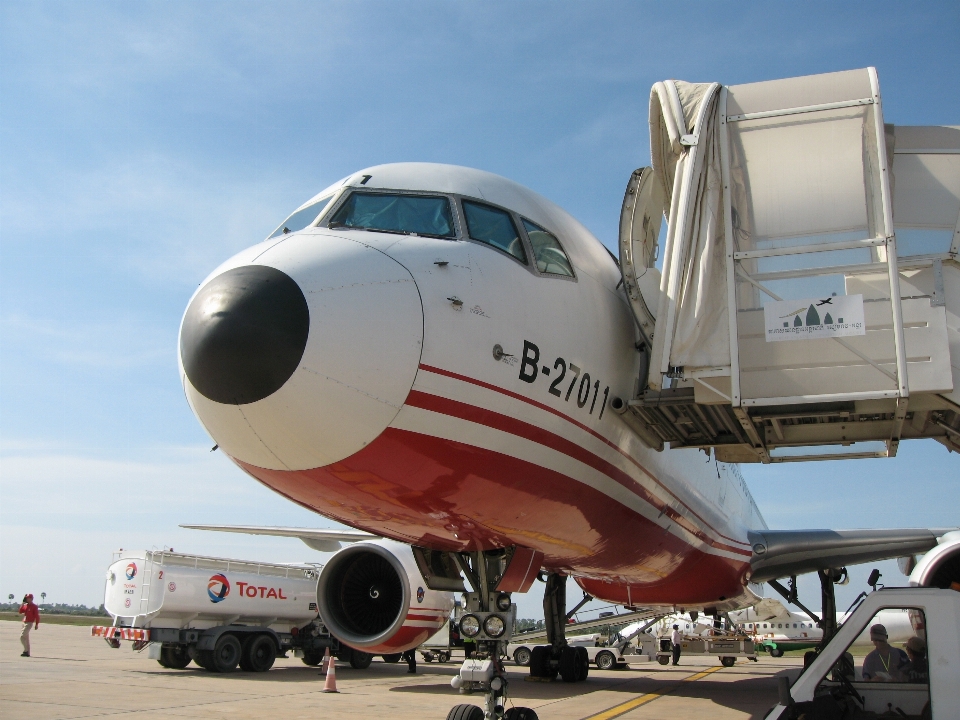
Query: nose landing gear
[(487, 618)]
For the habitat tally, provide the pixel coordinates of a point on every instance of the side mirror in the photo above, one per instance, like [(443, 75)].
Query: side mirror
[(874, 579)]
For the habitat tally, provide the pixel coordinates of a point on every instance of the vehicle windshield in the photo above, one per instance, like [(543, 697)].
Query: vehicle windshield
[(408, 214), (302, 218)]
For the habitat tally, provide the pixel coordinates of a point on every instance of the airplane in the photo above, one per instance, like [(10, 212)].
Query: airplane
[(440, 358)]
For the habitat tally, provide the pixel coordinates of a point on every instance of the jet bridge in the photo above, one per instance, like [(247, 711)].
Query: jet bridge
[(808, 302)]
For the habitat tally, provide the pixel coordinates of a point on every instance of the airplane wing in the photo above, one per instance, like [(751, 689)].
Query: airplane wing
[(781, 553), (317, 539)]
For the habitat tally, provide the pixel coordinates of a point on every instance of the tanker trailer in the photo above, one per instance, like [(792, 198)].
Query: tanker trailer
[(218, 612)]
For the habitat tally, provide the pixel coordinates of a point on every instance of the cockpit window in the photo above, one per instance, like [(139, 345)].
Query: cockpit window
[(302, 218), (494, 227), (425, 215), (551, 258)]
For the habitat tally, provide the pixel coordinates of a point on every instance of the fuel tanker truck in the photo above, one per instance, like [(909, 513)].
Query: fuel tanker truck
[(222, 613)]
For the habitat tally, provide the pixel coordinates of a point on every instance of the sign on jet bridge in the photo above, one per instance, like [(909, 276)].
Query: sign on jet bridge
[(836, 316)]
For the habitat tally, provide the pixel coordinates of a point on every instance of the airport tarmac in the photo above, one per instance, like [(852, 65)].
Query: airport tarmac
[(72, 675)]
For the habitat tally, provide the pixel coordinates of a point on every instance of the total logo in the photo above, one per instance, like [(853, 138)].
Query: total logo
[(131, 571), (218, 587)]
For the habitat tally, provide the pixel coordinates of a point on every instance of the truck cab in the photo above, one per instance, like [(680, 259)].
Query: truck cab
[(917, 680)]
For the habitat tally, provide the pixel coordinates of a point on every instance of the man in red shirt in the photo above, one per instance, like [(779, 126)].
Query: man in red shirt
[(31, 621)]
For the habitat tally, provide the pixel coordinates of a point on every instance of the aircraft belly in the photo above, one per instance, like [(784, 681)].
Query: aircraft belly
[(451, 495)]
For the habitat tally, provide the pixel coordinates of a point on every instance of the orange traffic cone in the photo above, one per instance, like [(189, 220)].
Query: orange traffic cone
[(330, 685)]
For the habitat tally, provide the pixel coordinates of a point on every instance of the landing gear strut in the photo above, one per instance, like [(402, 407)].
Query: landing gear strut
[(571, 663), (828, 599)]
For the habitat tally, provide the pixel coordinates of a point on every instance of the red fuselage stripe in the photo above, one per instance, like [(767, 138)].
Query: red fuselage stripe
[(471, 413), (632, 484)]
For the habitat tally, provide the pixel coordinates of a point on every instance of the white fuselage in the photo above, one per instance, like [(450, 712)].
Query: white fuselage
[(402, 418)]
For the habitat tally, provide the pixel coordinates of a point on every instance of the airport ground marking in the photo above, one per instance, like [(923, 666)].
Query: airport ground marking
[(623, 708)]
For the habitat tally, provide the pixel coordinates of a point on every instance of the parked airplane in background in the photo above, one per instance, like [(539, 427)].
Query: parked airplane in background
[(439, 356)]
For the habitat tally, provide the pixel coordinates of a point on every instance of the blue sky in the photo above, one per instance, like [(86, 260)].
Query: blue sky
[(143, 143)]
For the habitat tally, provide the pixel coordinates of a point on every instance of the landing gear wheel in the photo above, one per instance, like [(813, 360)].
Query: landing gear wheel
[(392, 657), (174, 657), (465, 712), (540, 664), (663, 659), (259, 654), (569, 664), (360, 660), (728, 661), (605, 660), (520, 713), (226, 654), (522, 656), (582, 664), (776, 652)]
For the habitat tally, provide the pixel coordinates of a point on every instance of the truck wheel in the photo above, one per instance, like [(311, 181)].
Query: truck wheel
[(360, 660), (312, 657), (260, 653), (226, 653), (605, 660), (465, 712), (776, 652), (663, 659), (392, 657), (728, 661), (522, 656), (174, 657), (520, 713), (443, 657), (204, 658)]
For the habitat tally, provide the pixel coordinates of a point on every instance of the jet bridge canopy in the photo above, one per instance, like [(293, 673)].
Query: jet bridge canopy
[(809, 297)]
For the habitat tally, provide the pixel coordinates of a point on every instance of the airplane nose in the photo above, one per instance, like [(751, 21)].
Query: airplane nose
[(301, 355), (244, 334)]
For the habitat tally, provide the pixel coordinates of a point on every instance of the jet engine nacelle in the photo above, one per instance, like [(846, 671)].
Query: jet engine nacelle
[(372, 597), (940, 567)]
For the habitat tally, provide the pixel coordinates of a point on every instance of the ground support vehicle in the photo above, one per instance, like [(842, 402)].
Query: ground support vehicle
[(833, 685), (437, 647), (217, 612), (727, 647), (603, 656)]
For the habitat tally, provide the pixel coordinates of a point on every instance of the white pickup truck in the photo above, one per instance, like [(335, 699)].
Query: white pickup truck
[(919, 681)]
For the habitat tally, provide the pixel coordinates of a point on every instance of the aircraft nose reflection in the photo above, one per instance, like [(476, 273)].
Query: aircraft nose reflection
[(244, 334)]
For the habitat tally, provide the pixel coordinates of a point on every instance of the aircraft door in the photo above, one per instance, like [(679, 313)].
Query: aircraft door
[(640, 221)]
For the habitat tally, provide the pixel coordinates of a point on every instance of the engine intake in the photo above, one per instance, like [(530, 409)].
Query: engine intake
[(940, 567), (371, 596)]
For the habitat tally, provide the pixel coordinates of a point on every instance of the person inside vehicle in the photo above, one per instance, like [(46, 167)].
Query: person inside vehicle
[(884, 663), (916, 670)]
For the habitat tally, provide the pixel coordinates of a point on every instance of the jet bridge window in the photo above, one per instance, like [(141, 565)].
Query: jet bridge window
[(302, 218), (551, 259), (425, 215), (495, 227)]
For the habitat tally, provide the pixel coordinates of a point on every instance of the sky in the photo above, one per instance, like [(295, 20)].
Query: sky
[(143, 143)]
